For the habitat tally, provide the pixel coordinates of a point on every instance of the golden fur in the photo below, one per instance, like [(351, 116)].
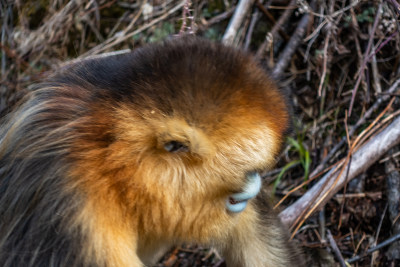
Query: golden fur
[(92, 143)]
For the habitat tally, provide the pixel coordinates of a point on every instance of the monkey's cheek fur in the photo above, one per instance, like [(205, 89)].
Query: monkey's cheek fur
[(238, 202)]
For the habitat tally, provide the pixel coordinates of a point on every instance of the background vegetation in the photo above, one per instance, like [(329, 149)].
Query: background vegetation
[(338, 58)]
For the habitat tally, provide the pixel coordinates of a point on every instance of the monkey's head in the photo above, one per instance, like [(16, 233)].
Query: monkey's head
[(167, 133)]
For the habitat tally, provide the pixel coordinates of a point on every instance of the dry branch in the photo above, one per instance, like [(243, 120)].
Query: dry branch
[(361, 160), (384, 97), (291, 47), (335, 249), (271, 36), (113, 41), (242, 9), (375, 248), (393, 199), (366, 57), (53, 29)]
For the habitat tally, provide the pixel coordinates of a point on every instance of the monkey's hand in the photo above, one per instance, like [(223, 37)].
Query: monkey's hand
[(238, 202)]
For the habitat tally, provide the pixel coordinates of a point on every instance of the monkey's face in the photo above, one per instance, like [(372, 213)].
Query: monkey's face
[(205, 159), (186, 129)]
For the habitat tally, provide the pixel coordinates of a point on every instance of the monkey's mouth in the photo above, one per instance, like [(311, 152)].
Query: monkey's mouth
[(233, 201), (237, 202)]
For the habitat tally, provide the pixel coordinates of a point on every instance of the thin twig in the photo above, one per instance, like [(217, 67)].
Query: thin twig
[(254, 19), (278, 25), (326, 54), (381, 245), (375, 72), (366, 57), (220, 17), (185, 17), (103, 47), (327, 18), (347, 174), (325, 63), (384, 97), (378, 231), (335, 249)]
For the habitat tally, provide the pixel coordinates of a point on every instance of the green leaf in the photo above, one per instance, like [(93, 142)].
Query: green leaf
[(282, 172)]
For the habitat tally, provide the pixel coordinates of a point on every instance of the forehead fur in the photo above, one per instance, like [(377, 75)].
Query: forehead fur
[(204, 83)]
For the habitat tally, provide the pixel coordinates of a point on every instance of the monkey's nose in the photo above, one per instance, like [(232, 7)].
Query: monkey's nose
[(238, 202)]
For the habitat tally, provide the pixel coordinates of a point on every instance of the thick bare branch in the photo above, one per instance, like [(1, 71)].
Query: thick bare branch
[(242, 9), (291, 47), (361, 160)]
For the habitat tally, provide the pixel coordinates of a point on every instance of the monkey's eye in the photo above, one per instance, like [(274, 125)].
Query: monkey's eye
[(175, 146)]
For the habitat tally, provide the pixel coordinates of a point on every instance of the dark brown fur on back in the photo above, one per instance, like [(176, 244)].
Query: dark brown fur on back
[(86, 179)]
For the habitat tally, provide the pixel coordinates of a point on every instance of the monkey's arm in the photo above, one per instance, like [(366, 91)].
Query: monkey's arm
[(259, 239)]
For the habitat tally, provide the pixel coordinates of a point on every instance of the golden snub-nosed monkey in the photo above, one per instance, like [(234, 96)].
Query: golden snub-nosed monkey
[(111, 161)]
